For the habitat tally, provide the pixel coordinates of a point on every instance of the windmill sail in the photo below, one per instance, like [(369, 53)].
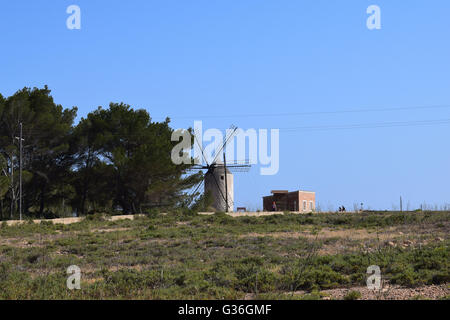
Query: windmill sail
[(219, 181)]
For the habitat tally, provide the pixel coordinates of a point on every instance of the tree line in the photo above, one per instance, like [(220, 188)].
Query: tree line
[(114, 159)]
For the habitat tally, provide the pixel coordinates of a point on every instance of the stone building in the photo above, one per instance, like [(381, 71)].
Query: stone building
[(296, 201)]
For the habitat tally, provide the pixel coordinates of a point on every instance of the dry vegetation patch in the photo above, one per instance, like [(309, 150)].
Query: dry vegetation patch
[(218, 256)]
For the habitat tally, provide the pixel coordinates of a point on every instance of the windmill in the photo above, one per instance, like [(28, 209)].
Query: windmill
[(219, 181)]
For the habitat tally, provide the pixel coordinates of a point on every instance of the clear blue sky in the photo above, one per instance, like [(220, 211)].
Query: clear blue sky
[(217, 58)]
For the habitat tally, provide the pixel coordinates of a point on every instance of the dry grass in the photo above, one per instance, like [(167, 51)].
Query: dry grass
[(218, 256)]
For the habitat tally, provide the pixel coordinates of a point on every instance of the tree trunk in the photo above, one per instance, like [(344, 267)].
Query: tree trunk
[(86, 183), (42, 204)]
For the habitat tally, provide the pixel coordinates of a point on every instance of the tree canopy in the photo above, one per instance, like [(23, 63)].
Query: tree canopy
[(113, 159)]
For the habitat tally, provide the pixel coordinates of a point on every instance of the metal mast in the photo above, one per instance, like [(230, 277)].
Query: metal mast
[(20, 173), (226, 185)]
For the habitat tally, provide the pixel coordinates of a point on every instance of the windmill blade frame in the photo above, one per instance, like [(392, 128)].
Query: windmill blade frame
[(218, 179), (201, 148), (196, 167), (238, 169), (225, 142), (192, 194)]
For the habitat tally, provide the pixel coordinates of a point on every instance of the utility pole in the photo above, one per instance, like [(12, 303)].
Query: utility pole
[(20, 170), (12, 205), (401, 204)]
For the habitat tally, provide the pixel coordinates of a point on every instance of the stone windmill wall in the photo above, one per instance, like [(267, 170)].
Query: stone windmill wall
[(216, 188)]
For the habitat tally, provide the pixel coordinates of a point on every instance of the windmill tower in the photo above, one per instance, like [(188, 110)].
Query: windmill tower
[(221, 192), (219, 180)]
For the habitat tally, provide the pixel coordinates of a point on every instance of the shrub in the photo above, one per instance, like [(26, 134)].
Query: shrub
[(153, 212), (95, 217), (352, 295), (313, 276)]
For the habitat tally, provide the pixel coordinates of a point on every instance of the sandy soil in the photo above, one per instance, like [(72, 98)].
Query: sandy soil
[(249, 214), (131, 217), (69, 220), (393, 293), (433, 292)]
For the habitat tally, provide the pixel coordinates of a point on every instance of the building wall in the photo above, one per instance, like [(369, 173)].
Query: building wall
[(267, 203), (310, 198), (291, 201)]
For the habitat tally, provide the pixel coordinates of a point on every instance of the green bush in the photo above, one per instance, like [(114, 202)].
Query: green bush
[(352, 295), (95, 217)]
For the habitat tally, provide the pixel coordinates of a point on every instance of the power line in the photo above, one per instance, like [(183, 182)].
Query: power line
[(310, 113), (369, 125), (332, 127)]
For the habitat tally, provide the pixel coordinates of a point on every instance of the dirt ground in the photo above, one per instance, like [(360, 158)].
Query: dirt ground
[(131, 217), (392, 293), (68, 220), (249, 213)]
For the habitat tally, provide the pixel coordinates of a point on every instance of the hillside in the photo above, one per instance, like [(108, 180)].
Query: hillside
[(174, 256)]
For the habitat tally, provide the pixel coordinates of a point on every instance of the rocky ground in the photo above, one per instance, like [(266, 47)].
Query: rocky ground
[(433, 292)]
